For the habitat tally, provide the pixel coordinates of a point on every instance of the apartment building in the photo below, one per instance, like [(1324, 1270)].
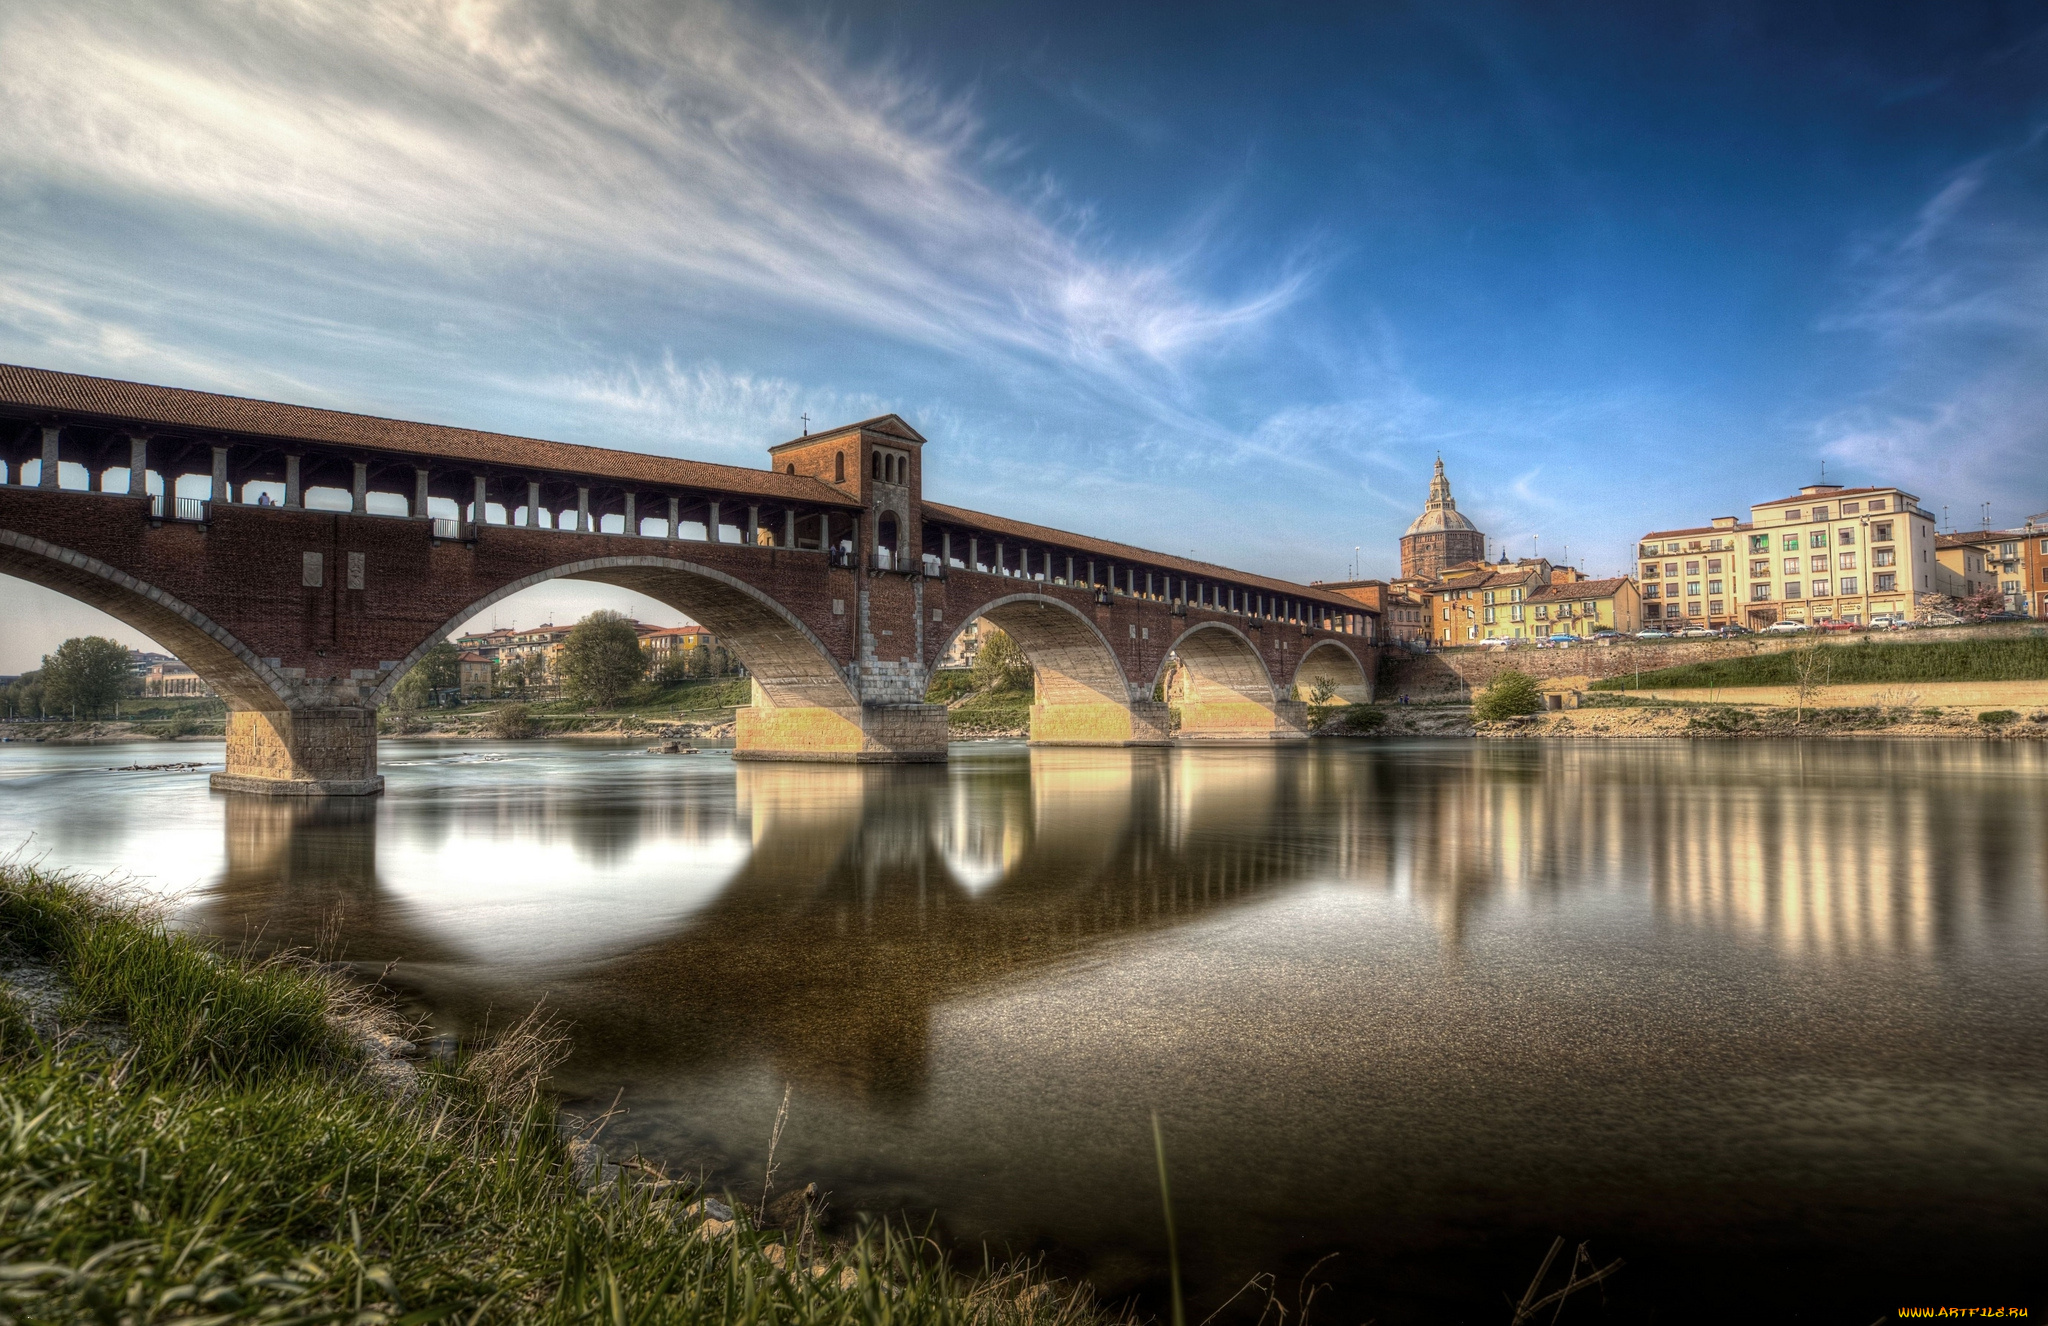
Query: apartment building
[(1489, 601), (1826, 552), (1577, 606), (2013, 562), (1695, 576), (1843, 553)]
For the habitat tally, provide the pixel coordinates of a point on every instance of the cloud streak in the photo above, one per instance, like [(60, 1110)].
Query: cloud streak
[(691, 147)]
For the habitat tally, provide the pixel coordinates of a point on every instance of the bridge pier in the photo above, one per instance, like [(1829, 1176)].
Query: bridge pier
[(1102, 723), (326, 751), (869, 734)]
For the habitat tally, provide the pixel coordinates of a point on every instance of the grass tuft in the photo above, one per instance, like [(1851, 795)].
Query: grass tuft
[(1867, 663)]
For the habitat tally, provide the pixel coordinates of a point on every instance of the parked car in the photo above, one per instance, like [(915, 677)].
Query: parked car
[(1604, 634), (1733, 628), (1784, 628), (2008, 617), (1653, 634), (1834, 625), (1940, 619), (1567, 638), (1493, 644), (1889, 621), (1698, 633)]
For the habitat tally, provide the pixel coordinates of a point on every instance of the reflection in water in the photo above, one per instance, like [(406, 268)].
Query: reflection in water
[(1671, 996)]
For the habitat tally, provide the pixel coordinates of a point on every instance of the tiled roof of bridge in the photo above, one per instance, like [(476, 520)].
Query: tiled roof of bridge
[(1124, 552), (112, 400)]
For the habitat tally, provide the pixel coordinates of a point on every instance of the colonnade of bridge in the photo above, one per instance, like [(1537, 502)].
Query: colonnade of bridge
[(330, 551)]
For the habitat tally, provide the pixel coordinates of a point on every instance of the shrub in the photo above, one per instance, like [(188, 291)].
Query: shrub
[(1000, 664), (1511, 694), (514, 722), (1997, 717), (1362, 718), (601, 659)]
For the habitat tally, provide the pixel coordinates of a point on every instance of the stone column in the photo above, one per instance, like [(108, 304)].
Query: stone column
[(945, 549), (360, 492), (753, 525), (51, 460), (675, 516), (327, 751), (582, 510), (478, 512), (1070, 570), (223, 491), (973, 553), (294, 485), (532, 504), (825, 531), (632, 514), (711, 518), (789, 528), (420, 510), (138, 465)]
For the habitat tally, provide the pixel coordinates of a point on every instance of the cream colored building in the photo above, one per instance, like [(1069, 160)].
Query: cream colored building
[(1695, 576), (1831, 552)]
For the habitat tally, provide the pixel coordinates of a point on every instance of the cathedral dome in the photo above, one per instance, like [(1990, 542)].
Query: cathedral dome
[(1441, 536), (1438, 519)]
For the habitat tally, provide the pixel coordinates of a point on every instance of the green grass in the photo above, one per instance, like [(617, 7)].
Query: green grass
[(1859, 664), (948, 685), (238, 1164), (991, 711)]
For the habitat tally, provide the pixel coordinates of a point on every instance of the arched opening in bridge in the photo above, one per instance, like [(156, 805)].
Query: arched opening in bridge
[(1331, 665), (1079, 693), (1223, 687)]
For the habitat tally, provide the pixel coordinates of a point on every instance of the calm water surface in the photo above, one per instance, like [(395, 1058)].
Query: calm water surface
[(1768, 1020)]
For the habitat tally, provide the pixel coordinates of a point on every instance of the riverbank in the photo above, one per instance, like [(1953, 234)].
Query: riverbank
[(197, 1134)]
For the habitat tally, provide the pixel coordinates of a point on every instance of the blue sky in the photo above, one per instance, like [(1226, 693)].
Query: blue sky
[(1201, 278)]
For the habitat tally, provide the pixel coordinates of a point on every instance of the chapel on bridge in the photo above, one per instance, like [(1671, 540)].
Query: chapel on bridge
[(1440, 537)]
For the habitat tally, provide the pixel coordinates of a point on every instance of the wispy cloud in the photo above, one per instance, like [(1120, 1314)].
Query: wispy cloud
[(1956, 303), (690, 147)]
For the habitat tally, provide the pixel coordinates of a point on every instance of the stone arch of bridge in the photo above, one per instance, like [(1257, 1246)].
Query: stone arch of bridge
[(791, 667), (1333, 661), (1227, 690), (1081, 696), (230, 667)]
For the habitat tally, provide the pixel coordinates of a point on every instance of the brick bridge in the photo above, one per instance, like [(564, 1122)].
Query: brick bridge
[(330, 551)]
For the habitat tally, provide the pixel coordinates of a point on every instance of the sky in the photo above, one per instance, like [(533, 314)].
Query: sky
[(1210, 279)]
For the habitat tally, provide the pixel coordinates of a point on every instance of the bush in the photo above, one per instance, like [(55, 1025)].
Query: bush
[(1997, 717), (949, 685), (601, 659), (1512, 693), (514, 722), (1000, 664), (1362, 718)]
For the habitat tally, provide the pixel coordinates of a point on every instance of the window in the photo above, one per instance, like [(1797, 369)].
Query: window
[(1817, 539), (1790, 543), (1882, 557), (1671, 547), (1887, 583), (1489, 599), (1489, 616), (1515, 613), (1818, 590), (1649, 550), (1849, 508), (1692, 569), (1649, 570), (1847, 585), (838, 467), (1713, 566), (1649, 591), (1818, 562), (1877, 504), (1881, 533), (1670, 569), (2044, 547), (875, 466), (1760, 593), (1792, 589), (1761, 543), (1692, 587), (1692, 609), (2008, 551), (1758, 570), (1713, 587), (1791, 566), (1543, 612), (2010, 586), (1846, 536), (1715, 608), (1792, 514), (1820, 513)]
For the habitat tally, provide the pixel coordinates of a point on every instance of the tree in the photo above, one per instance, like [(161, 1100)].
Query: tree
[(1512, 693), (601, 659), (439, 669), (88, 673), (1984, 603), (1001, 664), (24, 699), (1812, 663), (1321, 702)]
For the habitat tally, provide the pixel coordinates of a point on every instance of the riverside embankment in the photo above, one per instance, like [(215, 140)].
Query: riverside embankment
[(192, 1134)]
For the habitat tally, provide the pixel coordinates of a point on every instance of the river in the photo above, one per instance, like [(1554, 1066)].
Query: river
[(1767, 1020)]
